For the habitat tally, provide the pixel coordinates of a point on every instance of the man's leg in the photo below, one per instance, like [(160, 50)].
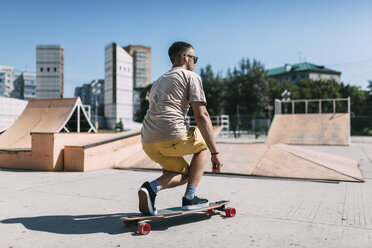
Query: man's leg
[(148, 191), (197, 166), (171, 179)]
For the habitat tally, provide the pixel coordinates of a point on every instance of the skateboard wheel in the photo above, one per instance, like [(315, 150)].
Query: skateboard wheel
[(211, 210), (230, 212), (143, 228)]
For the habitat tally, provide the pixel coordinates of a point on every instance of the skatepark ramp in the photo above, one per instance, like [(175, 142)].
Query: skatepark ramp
[(310, 128), (278, 160), (46, 115)]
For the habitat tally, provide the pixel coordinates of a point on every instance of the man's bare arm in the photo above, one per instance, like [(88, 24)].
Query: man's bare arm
[(204, 123)]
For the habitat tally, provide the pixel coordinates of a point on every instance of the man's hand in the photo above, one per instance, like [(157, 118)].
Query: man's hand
[(216, 164)]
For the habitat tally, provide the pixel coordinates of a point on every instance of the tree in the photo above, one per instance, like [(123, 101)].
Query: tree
[(144, 104), (212, 85), (248, 87)]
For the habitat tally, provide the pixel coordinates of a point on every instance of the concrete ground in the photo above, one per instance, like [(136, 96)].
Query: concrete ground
[(72, 209)]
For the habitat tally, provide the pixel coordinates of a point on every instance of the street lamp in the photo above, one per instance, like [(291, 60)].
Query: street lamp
[(96, 91)]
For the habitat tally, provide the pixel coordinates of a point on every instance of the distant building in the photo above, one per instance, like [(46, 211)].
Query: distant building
[(49, 71), (92, 92), (20, 85), (29, 85), (24, 85), (296, 72), (141, 71), (17, 87), (118, 95), (6, 80)]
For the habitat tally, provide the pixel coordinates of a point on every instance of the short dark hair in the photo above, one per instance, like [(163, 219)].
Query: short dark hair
[(177, 49)]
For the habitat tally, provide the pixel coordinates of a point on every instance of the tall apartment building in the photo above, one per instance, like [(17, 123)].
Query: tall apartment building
[(21, 85), (29, 85), (141, 71), (24, 86), (118, 96), (6, 80), (91, 93), (49, 71)]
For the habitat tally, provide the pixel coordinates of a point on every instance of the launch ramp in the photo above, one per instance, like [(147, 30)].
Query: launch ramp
[(46, 115), (310, 128)]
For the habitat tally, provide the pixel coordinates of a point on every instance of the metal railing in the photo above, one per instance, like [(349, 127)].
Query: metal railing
[(217, 120), (278, 104)]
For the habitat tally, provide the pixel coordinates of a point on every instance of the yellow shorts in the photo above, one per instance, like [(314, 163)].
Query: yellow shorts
[(169, 154)]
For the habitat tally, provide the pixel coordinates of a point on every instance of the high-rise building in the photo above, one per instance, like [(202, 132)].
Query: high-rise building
[(91, 93), (29, 85), (141, 71), (6, 80), (118, 95), (24, 85), (20, 85), (49, 71)]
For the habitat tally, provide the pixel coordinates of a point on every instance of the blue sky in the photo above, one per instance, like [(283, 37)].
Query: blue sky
[(337, 34)]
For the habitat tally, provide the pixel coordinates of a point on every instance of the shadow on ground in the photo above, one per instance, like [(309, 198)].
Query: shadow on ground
[(101, 223)]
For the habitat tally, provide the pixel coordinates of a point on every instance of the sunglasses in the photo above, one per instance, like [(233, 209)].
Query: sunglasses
[(193, 57)]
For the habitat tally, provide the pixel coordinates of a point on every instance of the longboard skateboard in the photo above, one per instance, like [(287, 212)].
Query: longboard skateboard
[(144, 228)]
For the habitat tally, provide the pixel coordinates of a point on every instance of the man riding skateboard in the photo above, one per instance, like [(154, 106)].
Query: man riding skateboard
[(166, 137)]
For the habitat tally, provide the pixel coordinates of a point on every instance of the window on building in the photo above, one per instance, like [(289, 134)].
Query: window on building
[(48, 69), (55, 69), (41, 69)]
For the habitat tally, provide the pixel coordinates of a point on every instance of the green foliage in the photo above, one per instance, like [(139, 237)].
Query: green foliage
[(140, 114), (248, 87), (213, 88)]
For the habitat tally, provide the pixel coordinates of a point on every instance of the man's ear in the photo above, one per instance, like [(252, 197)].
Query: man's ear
[(186, 58)]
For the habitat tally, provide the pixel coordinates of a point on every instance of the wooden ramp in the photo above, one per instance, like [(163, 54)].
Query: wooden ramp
[(281, 160), (46, 115), (310, 129), (278, 160)]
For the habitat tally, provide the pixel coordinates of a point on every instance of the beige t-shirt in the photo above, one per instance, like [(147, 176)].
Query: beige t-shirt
[(169, 102)]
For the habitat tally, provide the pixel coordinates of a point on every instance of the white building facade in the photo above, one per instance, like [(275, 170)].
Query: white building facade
[(118, 95), (141, 71), (29, 85), (6, 80), (49, 71), (21, 85), (10, 109)]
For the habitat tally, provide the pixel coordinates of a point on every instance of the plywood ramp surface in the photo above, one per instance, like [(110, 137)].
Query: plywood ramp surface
[(271, 161), (40, 115), (292, 162), (310, 129)]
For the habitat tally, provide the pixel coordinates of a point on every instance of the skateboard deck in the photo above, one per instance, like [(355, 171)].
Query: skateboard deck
[(144, 228)]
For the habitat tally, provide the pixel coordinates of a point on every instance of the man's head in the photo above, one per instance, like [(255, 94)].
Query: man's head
[(182, 54)]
